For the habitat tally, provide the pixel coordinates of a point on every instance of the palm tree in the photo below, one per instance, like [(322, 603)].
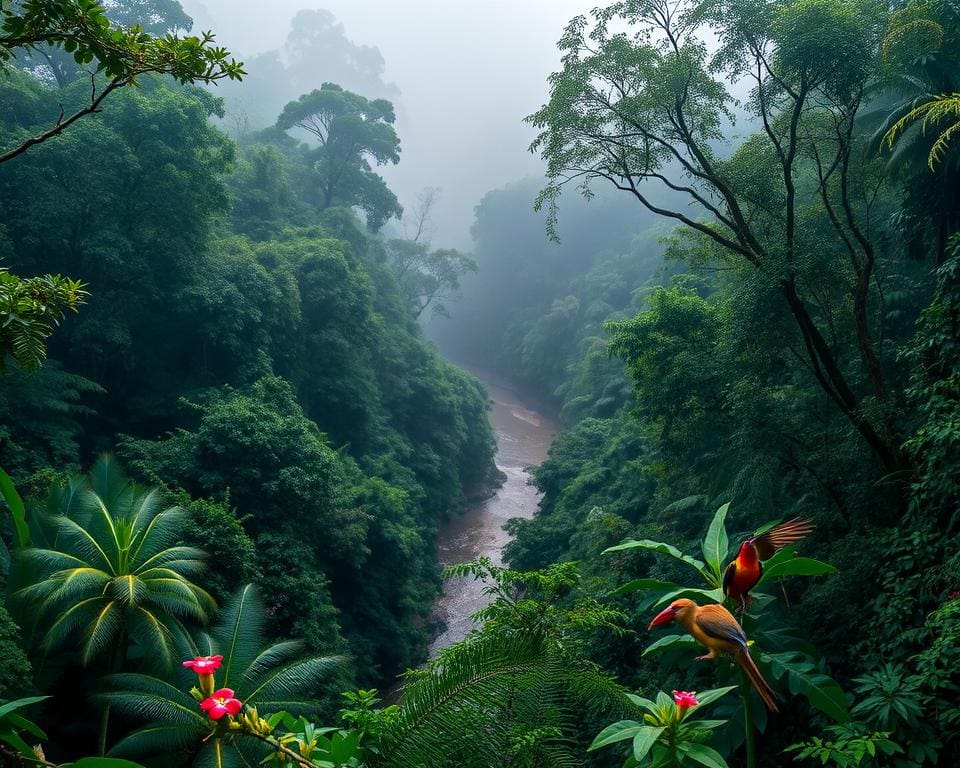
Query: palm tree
[(105, 570), (271, 677)]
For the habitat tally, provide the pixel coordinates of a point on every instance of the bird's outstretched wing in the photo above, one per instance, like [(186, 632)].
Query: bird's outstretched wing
[(781, 535)]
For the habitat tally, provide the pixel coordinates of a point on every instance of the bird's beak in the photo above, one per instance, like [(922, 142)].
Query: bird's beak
[(663, 617)]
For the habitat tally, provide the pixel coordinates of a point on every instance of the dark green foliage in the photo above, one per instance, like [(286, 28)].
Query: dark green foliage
[(40, 419), (16, 674)]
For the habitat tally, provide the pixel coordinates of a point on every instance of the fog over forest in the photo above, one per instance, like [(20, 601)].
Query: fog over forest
[(465, 74)]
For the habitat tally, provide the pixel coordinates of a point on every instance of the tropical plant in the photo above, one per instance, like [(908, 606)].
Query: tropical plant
[(668, 734), (935, 110), (271, 677), (105, 570), (785, 654), (522, 670), (29, 308), (850, 747)]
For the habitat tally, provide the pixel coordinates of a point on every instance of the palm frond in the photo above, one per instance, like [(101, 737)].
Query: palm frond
[(156, 740), (238, 632), (102, 631), (272, 657), (107, 479), (462, 699), (299, 679), (151, 631)]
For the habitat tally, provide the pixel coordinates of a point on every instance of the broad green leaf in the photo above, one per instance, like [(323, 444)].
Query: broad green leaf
[(638, 584), (705, 724), (644, 740), (12, 706), (709, 595), (704, 755), (619, 731), (670, 641), (103, 762), (642, 702), (797, 566), (17, 511), (708, 697), (716, 543), (663, 549), (804, 678), (822, 692)]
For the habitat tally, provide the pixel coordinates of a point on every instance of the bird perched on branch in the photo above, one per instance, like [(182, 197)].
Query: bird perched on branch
[(714, 627), (745, 570)]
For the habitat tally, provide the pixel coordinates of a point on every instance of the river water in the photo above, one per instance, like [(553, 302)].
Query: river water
[(523, 436)]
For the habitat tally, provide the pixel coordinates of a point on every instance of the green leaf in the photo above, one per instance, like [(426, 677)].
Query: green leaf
[(638, 584), (645, 739), (716, 543), (704, 755), (619, 731), (642, 702), (797, 566), (17, 511), (103, 762), (663, 549), (670, 641), (822, 691), (709, 595), (11, 706), (708, 697)]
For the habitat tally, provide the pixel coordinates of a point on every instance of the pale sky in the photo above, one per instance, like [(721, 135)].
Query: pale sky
[(468, 72)]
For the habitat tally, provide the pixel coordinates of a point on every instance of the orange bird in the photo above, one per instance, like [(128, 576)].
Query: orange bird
[(714, 627), (745, 570)]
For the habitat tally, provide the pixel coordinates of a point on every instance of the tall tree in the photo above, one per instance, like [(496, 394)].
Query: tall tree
[(646, 109), (352, 131)]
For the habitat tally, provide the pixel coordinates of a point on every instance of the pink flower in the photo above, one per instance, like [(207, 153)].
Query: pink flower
[(204, 665), (684, 700), (221, 703)]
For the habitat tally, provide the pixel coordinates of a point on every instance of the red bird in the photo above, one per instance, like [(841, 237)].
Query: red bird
[(745, 570), (714, 627)]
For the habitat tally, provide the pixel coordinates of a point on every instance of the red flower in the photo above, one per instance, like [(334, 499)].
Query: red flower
[(221, 703), (204, 665), (955, 595), (684, 700)]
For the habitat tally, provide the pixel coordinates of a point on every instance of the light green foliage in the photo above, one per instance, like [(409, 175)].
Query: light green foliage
[(83, 29), (352, 131), (271, 677), (29, 309), (104, 571)]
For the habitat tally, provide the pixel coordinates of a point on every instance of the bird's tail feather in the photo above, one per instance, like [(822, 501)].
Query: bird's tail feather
[(756, 679)]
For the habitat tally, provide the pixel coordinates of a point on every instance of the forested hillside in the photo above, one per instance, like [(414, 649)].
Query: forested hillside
[(228, 446), (246, 344)]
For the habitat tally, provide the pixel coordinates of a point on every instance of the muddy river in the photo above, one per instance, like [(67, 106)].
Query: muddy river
[(523, 436)]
